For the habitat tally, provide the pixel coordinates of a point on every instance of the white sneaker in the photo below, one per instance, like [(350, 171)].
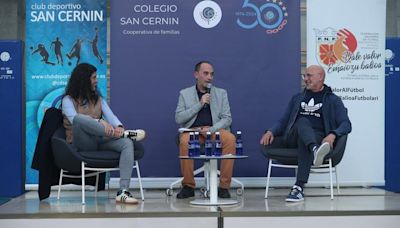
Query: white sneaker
[(320, 153), (123, 196), (137, 134)]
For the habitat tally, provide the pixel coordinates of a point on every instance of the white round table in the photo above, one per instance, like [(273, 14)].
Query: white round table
[(212, 173)]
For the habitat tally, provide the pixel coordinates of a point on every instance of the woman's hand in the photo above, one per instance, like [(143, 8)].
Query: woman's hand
[(118, 132), (109, 130)]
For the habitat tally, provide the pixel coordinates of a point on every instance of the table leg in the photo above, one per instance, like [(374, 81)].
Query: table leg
[(213, 174), (213, 182)]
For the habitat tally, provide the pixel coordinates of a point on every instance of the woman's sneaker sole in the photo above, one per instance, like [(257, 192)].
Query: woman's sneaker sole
[(137, 134)]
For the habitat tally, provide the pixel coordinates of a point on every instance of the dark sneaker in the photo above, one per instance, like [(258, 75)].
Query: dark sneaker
[(123, 196), (185, 192), (295, 195), (223, 193), (320, 153)]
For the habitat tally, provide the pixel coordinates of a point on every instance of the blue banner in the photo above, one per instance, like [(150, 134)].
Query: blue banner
[(11, 162), (392, 113), (254, 46), (59, 35)]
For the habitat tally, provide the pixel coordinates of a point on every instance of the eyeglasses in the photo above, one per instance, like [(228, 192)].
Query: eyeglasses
[(303, 76)]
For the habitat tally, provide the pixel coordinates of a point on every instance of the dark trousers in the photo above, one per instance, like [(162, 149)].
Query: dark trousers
[(300, 136)]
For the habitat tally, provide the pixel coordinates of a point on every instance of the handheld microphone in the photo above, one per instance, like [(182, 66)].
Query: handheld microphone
[(209, 87), (208, 91)]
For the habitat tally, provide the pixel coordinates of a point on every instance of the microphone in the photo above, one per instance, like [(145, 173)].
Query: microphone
[(208, 91), (209, 87)]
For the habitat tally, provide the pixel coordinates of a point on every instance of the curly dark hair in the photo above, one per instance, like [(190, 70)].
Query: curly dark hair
[(79, 86)]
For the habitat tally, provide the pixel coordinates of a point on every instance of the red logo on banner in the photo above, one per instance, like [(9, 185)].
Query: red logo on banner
[(334, 46)]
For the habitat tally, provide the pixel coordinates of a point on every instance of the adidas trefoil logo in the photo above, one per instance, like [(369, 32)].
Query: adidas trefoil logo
[(311, 107)]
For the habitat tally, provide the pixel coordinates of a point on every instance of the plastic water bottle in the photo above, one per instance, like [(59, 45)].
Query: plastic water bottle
[(196, 144), (239, 143), (218, 146), (208, 144), (191, 145)]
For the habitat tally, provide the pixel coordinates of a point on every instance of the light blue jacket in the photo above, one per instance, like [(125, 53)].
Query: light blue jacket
[(189, 105), (68, 109)]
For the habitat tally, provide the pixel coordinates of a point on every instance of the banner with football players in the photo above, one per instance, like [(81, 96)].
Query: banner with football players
[(59, 35)]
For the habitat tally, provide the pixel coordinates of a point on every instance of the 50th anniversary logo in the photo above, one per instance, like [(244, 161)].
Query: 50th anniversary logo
[(271, 15)]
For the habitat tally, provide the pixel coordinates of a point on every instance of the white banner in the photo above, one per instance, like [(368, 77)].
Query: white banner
[(347, 38)]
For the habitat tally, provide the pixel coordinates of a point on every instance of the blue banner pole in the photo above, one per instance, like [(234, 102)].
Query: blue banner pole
[(12, 162)]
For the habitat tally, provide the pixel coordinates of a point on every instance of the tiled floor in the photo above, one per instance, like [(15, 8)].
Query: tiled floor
[(354, 201)]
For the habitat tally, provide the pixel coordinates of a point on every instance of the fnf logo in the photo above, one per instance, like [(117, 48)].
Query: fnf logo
[(334, 46)]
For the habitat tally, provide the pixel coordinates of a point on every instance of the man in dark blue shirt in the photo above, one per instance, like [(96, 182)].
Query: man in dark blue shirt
[(205, 109), (311, 123)]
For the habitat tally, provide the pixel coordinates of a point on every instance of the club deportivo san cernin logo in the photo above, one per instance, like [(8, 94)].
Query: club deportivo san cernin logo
[(270, 15), (334, 46)]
